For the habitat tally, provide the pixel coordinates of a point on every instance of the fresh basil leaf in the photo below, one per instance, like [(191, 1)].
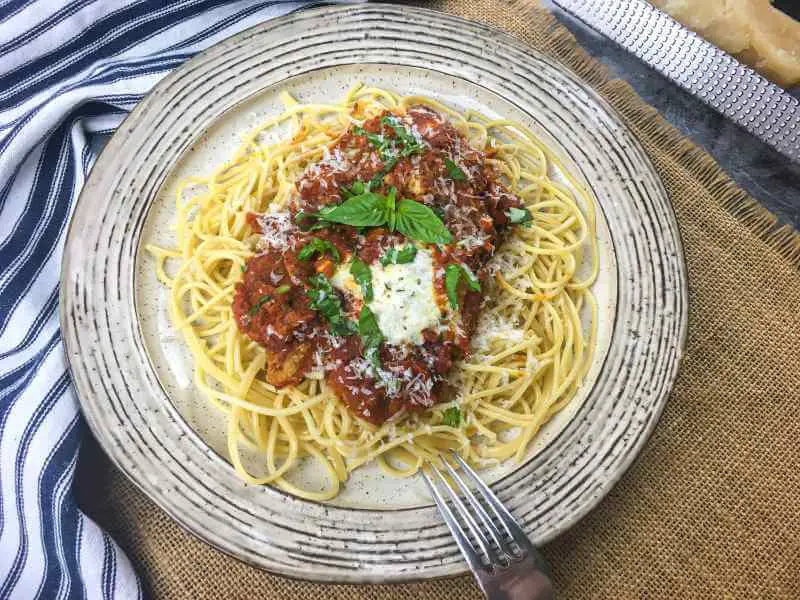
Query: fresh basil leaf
[(303, 217), (257, 306), (452, 275), (519, 216), (309, 221), (452, 417), (399, 256), (418, 222), (371, 336), (456, 174), (358, 188), (318, 246), (365, 210), (363, 276), (472, 281), (325, 300), (284, 289), (391, 208)]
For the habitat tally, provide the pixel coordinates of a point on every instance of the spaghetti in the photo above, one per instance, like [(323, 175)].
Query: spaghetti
[(523, 358)]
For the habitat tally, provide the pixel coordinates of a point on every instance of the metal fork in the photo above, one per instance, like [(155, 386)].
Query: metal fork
[(504, 563)]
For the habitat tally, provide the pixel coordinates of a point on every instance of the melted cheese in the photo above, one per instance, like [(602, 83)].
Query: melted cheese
[(404, 301)]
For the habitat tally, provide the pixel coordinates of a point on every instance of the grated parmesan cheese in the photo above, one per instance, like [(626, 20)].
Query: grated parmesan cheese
[(277, 229)]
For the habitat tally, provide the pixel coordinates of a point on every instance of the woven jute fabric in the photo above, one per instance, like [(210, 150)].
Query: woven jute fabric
[(710, 509)]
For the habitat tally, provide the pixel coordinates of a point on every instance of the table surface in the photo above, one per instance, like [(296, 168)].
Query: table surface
[(766, 174)]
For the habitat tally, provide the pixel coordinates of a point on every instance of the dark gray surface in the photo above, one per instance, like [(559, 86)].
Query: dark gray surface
[(767, 175)]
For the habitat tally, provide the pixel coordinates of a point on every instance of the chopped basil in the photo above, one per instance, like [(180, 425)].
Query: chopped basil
[(257, 306), (456, 174), (243, 268), (284, 289), (399, 256), (325, 300), (452, 417), (377, 180), (519, 216), (387, 148), (410, 144), (318, 246), (381, 143), (371, 336), (363, 276), (452, 275)]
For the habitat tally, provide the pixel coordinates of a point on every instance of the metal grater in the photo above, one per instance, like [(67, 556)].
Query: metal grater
[(733, 89)]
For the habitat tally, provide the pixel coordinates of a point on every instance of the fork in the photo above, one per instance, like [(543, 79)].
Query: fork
[(505, 564)]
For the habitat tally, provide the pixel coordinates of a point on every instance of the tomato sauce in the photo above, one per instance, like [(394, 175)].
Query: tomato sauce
[(279, 303)]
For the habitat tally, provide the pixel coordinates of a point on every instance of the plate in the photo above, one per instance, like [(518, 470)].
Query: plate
[(134, 377)]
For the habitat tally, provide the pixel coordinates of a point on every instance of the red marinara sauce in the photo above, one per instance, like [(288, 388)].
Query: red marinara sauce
[(285, 301)]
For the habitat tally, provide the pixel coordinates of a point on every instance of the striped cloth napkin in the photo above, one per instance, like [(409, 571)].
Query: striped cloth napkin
[(69, 71)]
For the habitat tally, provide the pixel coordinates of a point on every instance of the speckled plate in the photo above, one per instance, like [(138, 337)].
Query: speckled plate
[(134, 377)]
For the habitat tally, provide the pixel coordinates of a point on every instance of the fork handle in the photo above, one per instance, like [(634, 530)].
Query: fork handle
[(533, 586), (525, 580)]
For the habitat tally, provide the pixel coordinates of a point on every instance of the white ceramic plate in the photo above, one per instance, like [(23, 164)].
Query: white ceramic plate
[(134, 375)]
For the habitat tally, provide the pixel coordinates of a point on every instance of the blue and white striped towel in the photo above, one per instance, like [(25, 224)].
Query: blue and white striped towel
[(69, 70)]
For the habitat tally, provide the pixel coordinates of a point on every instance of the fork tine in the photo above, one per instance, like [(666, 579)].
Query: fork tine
[(466, 515), (452, 524), (509, 522), (497, 536)]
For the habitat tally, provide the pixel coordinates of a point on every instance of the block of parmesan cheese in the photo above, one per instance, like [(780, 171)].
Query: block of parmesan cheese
[(752, 30)]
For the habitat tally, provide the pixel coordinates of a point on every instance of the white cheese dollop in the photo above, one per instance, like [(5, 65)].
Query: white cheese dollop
[(404, 301)]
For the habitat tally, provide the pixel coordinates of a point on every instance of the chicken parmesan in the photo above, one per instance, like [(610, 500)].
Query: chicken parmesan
[(373, 273)]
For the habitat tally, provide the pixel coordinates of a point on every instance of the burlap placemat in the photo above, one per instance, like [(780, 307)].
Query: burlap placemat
[(711, 508)]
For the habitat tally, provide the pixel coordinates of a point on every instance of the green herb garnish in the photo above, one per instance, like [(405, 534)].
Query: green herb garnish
[(325, 300), (377, 180), (519, 216), (410, 144), (382, 144), (356, 189), (371, 336), (284, 289), (364, 210), (363, 276), (243, 268), (257, 306), (452, 275), (388, 149), (399, 256), (418, 222), (318, 246), (452, 417), (308, 221), (456, 174), (371, 209)]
